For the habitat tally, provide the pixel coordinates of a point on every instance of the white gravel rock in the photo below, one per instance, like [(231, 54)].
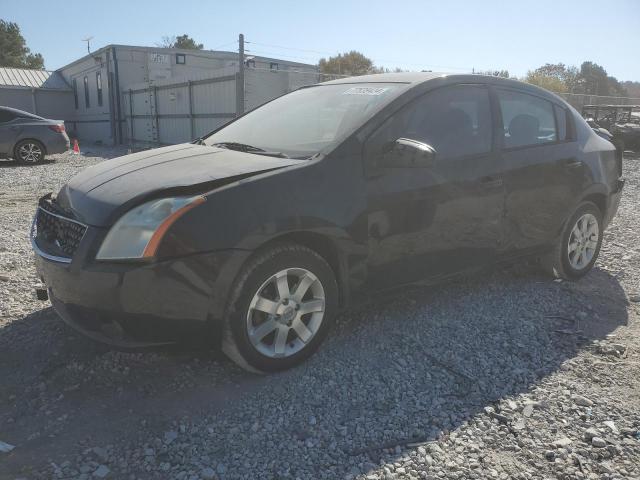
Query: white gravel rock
[(101, 472)]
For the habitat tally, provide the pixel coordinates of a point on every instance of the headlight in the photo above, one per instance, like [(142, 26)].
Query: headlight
[(138, 232)]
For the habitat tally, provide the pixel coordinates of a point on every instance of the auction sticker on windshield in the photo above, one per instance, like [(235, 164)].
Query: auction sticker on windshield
[(365, 91)]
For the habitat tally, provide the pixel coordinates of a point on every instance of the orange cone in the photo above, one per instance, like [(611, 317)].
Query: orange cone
[(76, 147)]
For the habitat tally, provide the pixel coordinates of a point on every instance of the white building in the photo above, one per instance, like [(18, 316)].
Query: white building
[(168, 95)]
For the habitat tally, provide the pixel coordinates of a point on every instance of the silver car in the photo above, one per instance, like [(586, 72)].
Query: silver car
[(28, 138)]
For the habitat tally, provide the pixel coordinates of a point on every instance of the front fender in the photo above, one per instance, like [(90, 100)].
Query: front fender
[(315, 200), (244, 215)]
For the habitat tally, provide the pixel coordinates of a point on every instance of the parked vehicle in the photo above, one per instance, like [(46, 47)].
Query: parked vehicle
[(621, 121), (28, 138), (324, 197)]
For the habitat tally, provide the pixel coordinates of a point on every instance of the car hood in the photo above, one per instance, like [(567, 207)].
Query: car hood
[(100, 194)]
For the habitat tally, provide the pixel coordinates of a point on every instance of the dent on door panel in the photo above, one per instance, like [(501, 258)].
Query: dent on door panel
[(542, 185)]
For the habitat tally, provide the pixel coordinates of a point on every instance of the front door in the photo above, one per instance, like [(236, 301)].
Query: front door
[(430, 220)]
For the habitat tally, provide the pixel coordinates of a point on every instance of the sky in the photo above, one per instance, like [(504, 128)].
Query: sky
[(451, 35)]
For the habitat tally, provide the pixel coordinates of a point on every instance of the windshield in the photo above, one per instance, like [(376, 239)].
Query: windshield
[(304, 122)]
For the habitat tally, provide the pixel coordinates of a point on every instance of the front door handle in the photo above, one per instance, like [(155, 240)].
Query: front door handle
[(491, 182), (571, 163)]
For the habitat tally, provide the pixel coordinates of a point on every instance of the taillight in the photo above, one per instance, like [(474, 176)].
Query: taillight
[(57, 128)]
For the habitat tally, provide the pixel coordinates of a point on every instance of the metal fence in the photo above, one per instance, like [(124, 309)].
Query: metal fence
[(166, 113), (579, 100), (179, 112)]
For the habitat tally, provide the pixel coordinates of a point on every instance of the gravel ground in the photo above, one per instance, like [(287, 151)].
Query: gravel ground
[(501, 375)]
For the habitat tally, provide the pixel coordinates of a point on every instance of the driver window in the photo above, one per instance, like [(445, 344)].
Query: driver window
[(455, 121)]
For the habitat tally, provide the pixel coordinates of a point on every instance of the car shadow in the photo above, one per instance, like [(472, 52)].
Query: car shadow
[(416, 366)]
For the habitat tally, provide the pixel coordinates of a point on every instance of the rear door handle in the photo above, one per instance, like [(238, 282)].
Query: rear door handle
[(491, 182)]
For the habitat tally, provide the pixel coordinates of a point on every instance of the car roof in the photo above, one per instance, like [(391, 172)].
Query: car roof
[(416, 78), (21, 113), (401, 77)]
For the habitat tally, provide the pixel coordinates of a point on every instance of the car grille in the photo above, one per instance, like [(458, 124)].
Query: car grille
[(55, 232)]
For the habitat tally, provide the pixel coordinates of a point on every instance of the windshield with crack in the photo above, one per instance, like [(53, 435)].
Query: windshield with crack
[(304, 122)]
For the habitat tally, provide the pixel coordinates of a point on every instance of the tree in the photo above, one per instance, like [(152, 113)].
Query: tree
[(596, 81), (350, 63), (556, 77), (590, 79), (632, 88), (594, 78), (13, 49), (181, 41), (553, 84), (616, 88)]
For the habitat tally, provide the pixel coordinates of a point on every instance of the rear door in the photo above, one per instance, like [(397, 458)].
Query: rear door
[(8, 131), (542, 174), (432, 220)]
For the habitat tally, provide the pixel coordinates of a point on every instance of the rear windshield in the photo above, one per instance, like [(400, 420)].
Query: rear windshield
[(306, 121)]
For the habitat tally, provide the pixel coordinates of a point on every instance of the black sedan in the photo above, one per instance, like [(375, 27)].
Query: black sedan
[(28, 138), (258, 233)]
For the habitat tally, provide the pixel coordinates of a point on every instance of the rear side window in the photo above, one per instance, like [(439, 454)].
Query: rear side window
[(527, 120), (6, 116), (455, 121)]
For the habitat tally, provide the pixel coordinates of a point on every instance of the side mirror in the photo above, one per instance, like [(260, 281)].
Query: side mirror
[(407, 153)]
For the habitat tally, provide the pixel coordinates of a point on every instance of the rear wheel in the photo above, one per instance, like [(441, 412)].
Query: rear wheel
[(29, 152), (578, 248), (281, 310)]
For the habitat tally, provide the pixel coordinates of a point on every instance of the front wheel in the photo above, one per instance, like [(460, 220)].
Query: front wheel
[(578, 248), (281, 309), (29, 152)]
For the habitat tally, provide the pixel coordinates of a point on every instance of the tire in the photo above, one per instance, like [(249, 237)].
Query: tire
[(258, 300), (29, 152), (562, 263)]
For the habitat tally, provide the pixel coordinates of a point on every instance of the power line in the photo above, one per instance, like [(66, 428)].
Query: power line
[(292, 48), (377, 61), (225, 45), (299, 72), (278, 55)]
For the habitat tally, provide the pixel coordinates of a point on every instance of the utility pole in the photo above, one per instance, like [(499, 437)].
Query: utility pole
[(240, 77)]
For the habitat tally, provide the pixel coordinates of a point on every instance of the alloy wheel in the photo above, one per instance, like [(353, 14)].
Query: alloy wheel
[(30, 152), (583, 241), (286, 313)]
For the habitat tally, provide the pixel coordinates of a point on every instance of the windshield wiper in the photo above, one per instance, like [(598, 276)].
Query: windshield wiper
[(243, 147)]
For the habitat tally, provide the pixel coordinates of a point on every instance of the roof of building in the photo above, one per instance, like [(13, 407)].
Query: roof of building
[(204, 53), (31, 78)]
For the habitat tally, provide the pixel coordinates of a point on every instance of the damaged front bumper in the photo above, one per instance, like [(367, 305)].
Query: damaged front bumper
[(138, 305)]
